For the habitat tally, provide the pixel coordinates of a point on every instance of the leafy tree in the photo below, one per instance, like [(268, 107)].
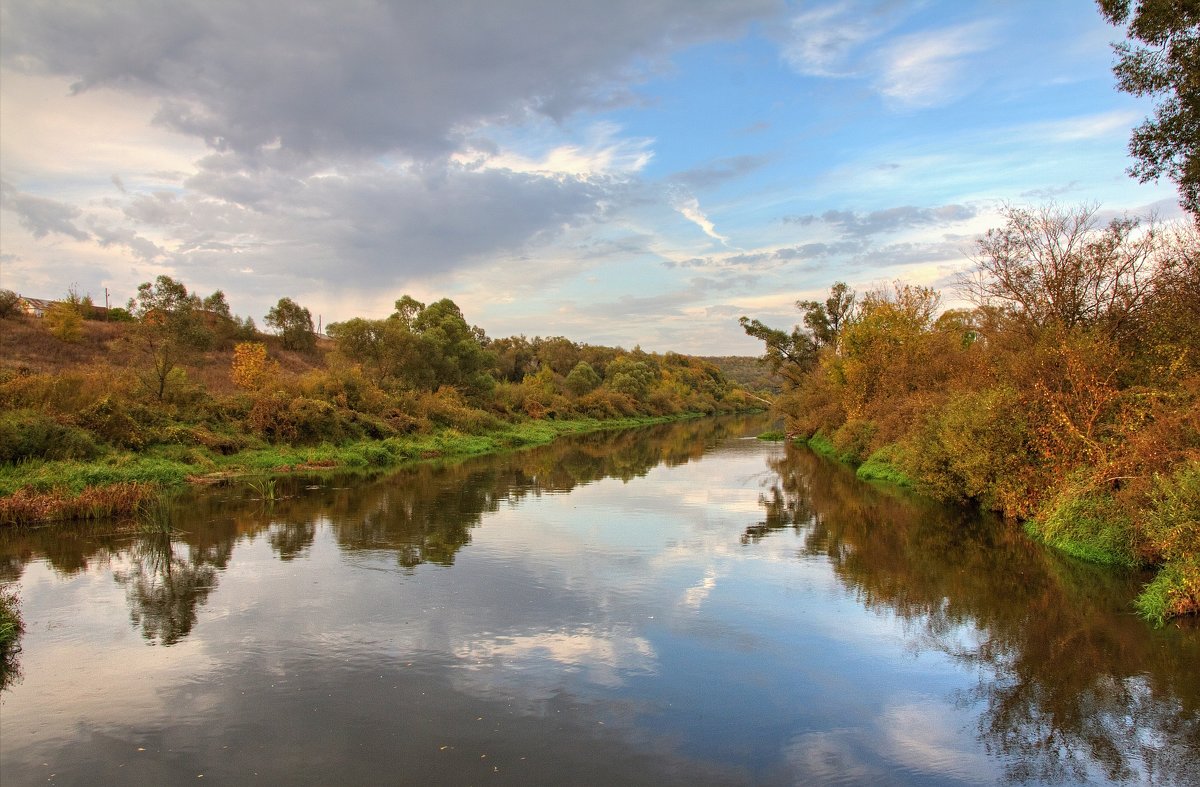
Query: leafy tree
[(385, 348), (825, 319), (10, 304), (630, 377), (793, 354), (169, 329), (1165, 64), (582, 379), (294, 323), (452, 349), (250, 368)]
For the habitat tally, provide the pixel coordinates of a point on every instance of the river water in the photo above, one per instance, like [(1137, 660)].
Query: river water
[(679, 604)]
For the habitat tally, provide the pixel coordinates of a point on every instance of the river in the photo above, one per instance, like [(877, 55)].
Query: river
[(681, 604)]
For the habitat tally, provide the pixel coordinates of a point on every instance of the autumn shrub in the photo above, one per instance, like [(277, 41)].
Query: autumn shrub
[(976, 447), (447, 407), (282, 418), (118, 422), (346, 387), (250, 368), (31, 434), (65, 322), (66, 393), (605, 403)]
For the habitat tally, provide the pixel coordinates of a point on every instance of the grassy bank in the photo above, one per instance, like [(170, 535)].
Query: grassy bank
[(115, 484)]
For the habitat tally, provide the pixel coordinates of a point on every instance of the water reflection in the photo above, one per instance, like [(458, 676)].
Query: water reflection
[(423, 514), (165, 588), (639, 616), (1071, 685)]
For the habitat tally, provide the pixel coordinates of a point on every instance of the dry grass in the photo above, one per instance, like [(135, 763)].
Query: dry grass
[(26, 343), (27, 506)]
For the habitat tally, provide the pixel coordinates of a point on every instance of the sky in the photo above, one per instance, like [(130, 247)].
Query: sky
[(620, 172)]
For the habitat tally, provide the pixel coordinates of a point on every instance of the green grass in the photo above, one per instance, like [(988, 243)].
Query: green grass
[(169, 466), (1155, 602), (882, 466), (821, 445), (773, 436), (1086, 525)]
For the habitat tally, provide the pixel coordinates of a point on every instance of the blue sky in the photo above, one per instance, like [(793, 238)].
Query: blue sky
[(628, 172)]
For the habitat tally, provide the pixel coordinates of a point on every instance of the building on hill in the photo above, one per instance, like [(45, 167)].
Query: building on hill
[(35, 307)]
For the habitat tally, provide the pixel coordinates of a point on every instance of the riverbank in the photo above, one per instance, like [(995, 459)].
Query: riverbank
[(35, 492), (1086, 524)]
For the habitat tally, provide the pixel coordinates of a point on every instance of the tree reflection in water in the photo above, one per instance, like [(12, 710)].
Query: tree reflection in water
[(1072, 686), (164, 589)]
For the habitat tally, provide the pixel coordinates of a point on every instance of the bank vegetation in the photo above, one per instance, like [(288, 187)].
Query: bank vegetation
[(102, 408), (1067, 397)]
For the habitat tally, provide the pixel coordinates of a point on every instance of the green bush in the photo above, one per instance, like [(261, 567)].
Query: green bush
[(29, 434)]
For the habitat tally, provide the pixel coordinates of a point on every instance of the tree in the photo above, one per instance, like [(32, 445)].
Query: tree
[(1053, 266), (1165, 65), (793, 354), (65, 321), (582, 379), (631, 377), (387, 349), (825, 320), (169, 328), (251, 369), (10, 304), (294, 323), (452, 348)]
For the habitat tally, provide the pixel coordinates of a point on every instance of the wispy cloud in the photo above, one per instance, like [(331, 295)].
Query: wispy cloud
[(913, 71), (825, 41), (926, 69), (689, 208)]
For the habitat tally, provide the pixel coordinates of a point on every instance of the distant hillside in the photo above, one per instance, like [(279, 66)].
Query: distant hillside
[(751, 373), (26, 345)]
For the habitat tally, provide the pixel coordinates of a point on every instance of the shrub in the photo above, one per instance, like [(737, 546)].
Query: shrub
[(29, 434), (117, 422), (65, 322), (250, 369), (852, 440), (582, 379)]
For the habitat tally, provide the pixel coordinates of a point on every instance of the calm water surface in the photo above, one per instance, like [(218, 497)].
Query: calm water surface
[(681, 604)]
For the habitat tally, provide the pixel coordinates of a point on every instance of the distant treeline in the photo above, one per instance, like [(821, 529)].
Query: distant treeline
[(1068, 397)]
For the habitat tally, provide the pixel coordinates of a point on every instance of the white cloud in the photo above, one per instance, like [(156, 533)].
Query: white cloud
[(689, 208), (927, 69), (825, 41)]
